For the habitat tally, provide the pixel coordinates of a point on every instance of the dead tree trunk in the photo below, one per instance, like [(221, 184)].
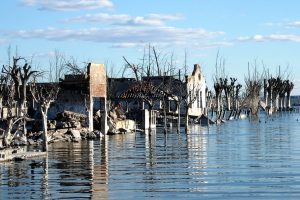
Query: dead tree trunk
[(186, 125), (266, 92), (3, 90), (289, 88), (227, 97), (218, 91), (7, 133), (150, 117), (45, 128), (178, 120), (165, 104), (253, 87)]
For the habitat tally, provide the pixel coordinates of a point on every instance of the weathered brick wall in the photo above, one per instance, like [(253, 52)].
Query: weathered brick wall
[(97, 86), (97, 76)]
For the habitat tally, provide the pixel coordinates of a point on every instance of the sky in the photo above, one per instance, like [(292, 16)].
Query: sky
[(265, 34)]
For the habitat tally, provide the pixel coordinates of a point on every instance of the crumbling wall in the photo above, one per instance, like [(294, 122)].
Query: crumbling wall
[(97, 91), (68, 100), (97, 80), (196, 85)]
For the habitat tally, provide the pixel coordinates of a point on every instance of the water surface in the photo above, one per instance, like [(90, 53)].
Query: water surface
[(239, 159)]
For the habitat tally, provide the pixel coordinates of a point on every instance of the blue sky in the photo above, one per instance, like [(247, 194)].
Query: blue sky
[(102, 31)]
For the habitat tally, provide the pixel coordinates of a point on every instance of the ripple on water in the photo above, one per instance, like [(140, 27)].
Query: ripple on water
[(238, 159)]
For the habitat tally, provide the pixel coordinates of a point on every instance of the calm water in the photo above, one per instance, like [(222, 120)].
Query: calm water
[(238, 159)]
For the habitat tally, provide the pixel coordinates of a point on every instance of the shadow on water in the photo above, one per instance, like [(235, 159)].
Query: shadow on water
[(254, 159)]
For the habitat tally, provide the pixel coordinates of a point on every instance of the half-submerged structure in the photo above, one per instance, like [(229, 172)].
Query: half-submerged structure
[(84, 94), (158, 99)]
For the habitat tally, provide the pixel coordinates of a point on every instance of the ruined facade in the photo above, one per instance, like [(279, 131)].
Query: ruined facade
[(196, 88), (134, 95), (93, 92), (73, 95), (83, 94)]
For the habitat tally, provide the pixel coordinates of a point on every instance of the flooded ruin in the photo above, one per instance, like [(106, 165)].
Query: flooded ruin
[(238, 159)]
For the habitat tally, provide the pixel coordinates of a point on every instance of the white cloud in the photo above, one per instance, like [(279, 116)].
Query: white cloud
[(285, 24), (214, 45), (68, 5), (259, 38), (144, 21), (43, 54), (151, 20), (127, 31), (271, 37), (128, 45), (294, 24), (139, 45), (124, 19), (165, 17), (128, 35), (100, 17), (272, 24)]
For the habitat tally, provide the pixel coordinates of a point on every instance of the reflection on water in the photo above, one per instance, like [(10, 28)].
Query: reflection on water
[(238, 159)]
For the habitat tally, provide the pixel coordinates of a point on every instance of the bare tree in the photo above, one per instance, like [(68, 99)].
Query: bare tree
[(14, 81), (44, 95), (218, 92), (135, 68), (168, 88), (154, 64), (253, 87), (162, 66), (3, 86), (187, 91), (57, 66), (20, 76), (73, 67), (165, 66), (13, 123), (219, 82), (277, 91), (13, 72), (237, 97), (281, 94), (289, 88)]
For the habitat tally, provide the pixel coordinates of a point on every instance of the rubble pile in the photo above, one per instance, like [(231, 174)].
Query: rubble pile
[(68, 119), (67, 127), (117, 122)]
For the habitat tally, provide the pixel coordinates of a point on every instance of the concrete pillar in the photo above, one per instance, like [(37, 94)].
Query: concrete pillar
[(97, 86), (90, 114), (104, 125), (146, 119)]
